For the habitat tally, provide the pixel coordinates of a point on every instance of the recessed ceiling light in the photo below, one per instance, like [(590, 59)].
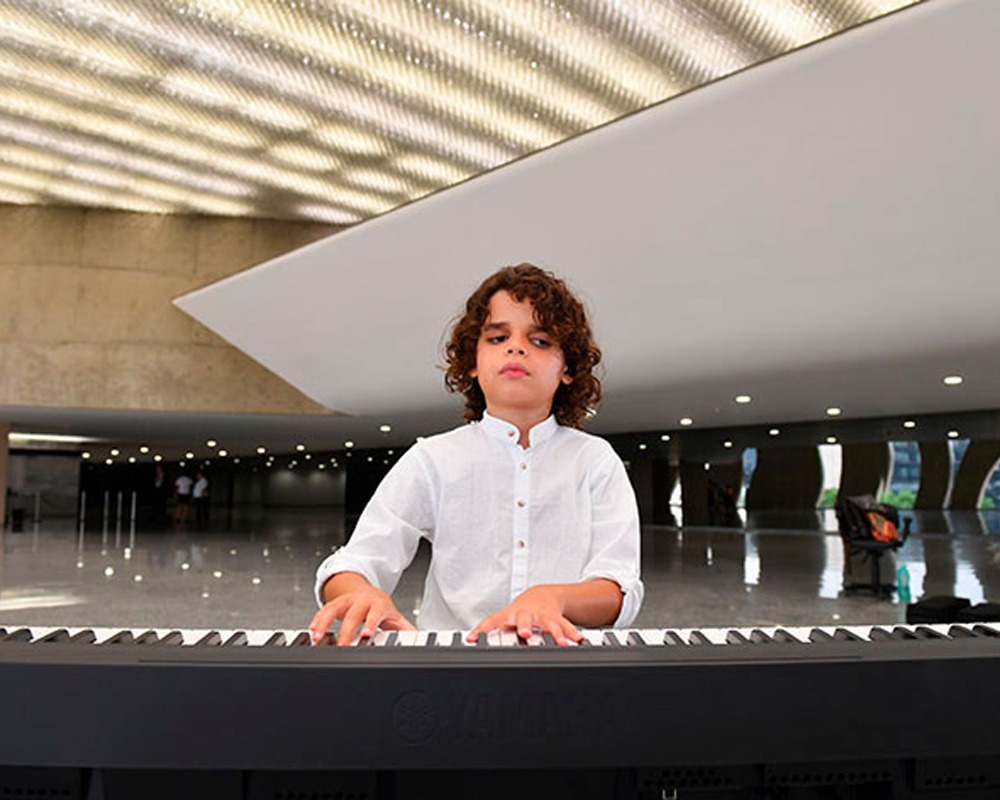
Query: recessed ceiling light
[(831, 439), (109, 461), (665, 437), (743, 399), (385, 428), (131, 459), (952, 434), (774, 432), (953, 380), (115, 451), (223, 453), (300, 447), (727, 444), (189, 454), (686, 421), (643, 446), (348, 444), (84, 454), (211, 443), (833, 411), (261, 450), (909, 423), (143, 449), (157, 457)]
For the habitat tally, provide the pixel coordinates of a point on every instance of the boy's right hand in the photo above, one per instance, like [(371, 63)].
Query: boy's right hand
[(357, 605)]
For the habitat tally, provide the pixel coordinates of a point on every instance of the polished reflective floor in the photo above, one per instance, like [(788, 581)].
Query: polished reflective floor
[(256, 570)]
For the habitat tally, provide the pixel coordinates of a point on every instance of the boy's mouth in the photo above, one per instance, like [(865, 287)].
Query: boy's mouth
[(513, 371)]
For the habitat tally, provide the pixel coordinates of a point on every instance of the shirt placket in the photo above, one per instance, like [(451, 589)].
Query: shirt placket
[(521, 533)]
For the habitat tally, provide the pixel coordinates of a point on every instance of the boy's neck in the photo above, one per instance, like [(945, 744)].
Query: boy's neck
[(524, 421)]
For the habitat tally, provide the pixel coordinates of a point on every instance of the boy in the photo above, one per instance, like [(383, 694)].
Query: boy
[(532, 523)]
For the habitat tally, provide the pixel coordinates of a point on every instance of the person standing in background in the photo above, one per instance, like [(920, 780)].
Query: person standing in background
[(200, 496)]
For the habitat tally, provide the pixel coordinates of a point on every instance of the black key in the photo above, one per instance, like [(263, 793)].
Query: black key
[(923, 632), (210, 639), (735, 637), (982, 630), (174, 637), (302, 639), (818, 636), (844, 635), (960, 632), (276, 640), (238, 639), (697, 637), (149, 637), (672, 637), (879, 635), (432, 639), (61, 635), (757, 636), (611, 639), (83, 637), (392, 639), (122, 637), (584, 642), (634, 639), (550, 641), (481, 640), (456, 639), (785, 637), (20, 635), (904, 634)]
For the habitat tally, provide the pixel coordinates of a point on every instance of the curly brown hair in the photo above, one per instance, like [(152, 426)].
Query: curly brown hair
[(558, 311)]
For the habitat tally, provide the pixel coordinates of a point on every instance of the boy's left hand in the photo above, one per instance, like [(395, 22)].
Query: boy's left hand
[(538, 609)]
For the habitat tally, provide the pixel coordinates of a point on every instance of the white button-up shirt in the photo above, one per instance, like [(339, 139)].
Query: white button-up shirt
[(500, 518)]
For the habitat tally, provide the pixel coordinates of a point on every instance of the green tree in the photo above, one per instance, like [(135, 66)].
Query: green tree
[(900, 498)]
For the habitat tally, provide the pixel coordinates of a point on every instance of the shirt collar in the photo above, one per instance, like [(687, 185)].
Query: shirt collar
[(502, 430)]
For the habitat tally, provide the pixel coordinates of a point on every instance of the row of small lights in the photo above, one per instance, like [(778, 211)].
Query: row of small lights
[(114, 452), (832, 411)]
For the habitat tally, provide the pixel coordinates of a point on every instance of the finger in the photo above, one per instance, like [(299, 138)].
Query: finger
[(351, 622), (321, 622), (484, 626), (397, 622), (524, 623), (373, 619)]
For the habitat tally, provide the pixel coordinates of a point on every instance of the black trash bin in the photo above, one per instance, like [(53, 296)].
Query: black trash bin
[(17, 520)]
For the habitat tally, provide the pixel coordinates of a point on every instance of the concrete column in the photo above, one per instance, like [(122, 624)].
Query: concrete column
[(864, 469), (935, 474), (785, 478), (977, 466)]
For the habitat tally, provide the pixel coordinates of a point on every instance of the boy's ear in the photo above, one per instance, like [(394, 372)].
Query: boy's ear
[(566, 377), (474, 373)]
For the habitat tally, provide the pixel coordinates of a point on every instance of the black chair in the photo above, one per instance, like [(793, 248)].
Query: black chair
[(858, 534)]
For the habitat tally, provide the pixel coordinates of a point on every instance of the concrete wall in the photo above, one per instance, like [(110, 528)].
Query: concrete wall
[(864, 469), (86, 319), (786, 478), (935, 475)]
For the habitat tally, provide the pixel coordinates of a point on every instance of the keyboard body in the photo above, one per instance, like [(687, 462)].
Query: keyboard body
[(650, 700)]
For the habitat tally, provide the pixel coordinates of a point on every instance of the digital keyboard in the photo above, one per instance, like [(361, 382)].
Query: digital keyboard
[(632, 712)]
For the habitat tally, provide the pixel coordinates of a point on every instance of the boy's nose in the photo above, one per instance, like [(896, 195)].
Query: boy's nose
[(512, 348)]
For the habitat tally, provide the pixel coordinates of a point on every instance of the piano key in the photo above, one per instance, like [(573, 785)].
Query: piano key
[(122, 637), (19, 635), (237, 639), (611, 639), (673, 638), (844, 635), (736, 637), (406, 638), (635, 639), (85, 636), (926, 632), (57, 636), (879, 634), (548, 640), (757, 636), (172, 638), (986, 630)]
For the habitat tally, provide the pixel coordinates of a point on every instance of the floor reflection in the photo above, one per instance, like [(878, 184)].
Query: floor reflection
[(255, 570)]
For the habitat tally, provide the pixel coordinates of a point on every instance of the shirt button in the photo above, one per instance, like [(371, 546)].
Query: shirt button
[(523, 465), (520, 504), (510, 433), (520, 544)]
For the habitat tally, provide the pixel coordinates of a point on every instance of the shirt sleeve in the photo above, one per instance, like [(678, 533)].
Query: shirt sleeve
[(616, 534), (385, 539)]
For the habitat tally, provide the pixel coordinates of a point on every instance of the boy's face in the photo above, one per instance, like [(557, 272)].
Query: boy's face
[(518, 364)]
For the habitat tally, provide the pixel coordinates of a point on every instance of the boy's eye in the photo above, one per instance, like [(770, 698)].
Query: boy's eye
[(497, 339), (541, 341)]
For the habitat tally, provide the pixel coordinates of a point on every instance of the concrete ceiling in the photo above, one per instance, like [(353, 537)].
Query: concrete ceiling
[(817, 231)]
